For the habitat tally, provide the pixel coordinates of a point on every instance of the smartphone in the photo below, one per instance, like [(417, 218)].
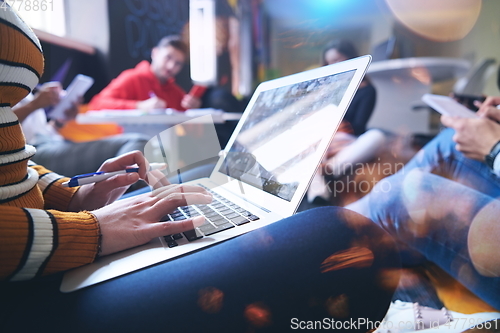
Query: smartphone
[(468, 100), (448, 106)]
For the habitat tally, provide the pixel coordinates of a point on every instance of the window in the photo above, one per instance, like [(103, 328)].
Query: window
[(45, 15)]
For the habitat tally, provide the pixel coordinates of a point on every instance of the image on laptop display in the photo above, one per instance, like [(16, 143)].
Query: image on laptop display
[(276, 138)]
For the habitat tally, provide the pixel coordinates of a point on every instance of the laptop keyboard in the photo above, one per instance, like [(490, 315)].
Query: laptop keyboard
[(220, 215)]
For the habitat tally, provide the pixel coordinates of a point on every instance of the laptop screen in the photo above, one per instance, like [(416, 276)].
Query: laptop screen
[(282, 132)]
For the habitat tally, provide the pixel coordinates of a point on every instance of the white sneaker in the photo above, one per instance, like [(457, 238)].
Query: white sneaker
[(405, 317)]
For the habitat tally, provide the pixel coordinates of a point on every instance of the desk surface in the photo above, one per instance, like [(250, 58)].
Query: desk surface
[(136, 117)]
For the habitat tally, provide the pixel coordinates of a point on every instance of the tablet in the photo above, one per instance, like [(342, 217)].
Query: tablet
[(77, 88), (448, 106)]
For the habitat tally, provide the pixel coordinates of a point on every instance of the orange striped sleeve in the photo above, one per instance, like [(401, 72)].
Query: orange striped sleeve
[(12, 137), (15, 233), (55, 195), (12, 172), (35, 242), (23, 51), (77, 241)]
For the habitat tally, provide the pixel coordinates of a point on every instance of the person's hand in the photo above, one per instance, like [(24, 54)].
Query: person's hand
[(151, 104), (47, 95), (72, 111), (190, 102), (97, 195), (69, 114), (474, 137), (489, 108), (135, 221)]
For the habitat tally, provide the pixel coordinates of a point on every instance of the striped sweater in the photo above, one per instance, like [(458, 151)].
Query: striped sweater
[(36, 236)]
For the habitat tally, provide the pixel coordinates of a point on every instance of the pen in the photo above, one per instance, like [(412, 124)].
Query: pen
[(95, 177)]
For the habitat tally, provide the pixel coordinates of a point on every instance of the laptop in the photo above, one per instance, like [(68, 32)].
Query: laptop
[(262, 174)]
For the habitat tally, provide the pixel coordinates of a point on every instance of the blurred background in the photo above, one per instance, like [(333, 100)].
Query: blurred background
[(256, 40)]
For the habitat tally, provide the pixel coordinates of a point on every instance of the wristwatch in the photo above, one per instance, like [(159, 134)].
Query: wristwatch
[(490, 158)]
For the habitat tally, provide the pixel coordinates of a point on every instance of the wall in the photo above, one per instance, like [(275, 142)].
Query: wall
[(87, 22), (137, 25), (297, 36)]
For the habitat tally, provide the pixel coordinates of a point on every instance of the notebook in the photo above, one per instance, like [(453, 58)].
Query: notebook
[(262, 174)]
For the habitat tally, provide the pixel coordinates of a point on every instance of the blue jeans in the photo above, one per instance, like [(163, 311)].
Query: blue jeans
[(444, 206), (323, 263)]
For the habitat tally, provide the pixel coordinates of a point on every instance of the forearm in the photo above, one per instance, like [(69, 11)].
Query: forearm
[(23, 111), (54, 194)]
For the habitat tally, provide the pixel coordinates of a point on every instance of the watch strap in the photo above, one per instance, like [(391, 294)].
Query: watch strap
[(490, 158)]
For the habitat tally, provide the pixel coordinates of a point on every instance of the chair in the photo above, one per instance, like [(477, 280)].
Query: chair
[(474, 81)]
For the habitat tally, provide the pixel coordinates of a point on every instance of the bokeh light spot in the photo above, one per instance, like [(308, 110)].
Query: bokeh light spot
[(210, 300), (258, 314), (437, 20), (388, 278), (338, 307), (354, 257)]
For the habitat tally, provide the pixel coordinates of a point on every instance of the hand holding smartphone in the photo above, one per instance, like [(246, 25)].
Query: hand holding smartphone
[(76, 89), (468, 100), (448, 106), (197, 91)]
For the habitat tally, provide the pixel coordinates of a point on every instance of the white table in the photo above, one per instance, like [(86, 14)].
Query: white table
[(157, 126), (153, 123), (400, 84), (126, 117)]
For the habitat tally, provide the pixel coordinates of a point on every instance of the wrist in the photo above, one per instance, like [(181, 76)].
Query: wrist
[(58, 124), (490, 158)]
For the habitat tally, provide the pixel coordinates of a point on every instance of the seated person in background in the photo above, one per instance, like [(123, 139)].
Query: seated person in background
[(445, 204), (60, 155), (363, 102), (266, 278), (351, 144), (152, 85)]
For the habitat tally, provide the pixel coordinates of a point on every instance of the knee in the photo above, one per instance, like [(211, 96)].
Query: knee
[(482, 240)]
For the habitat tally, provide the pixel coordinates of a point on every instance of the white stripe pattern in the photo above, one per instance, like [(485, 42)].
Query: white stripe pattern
[(18, 75), (11, 191), (48, 179), (6, 115), (43, 240), (9, 16), (27, 152)]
